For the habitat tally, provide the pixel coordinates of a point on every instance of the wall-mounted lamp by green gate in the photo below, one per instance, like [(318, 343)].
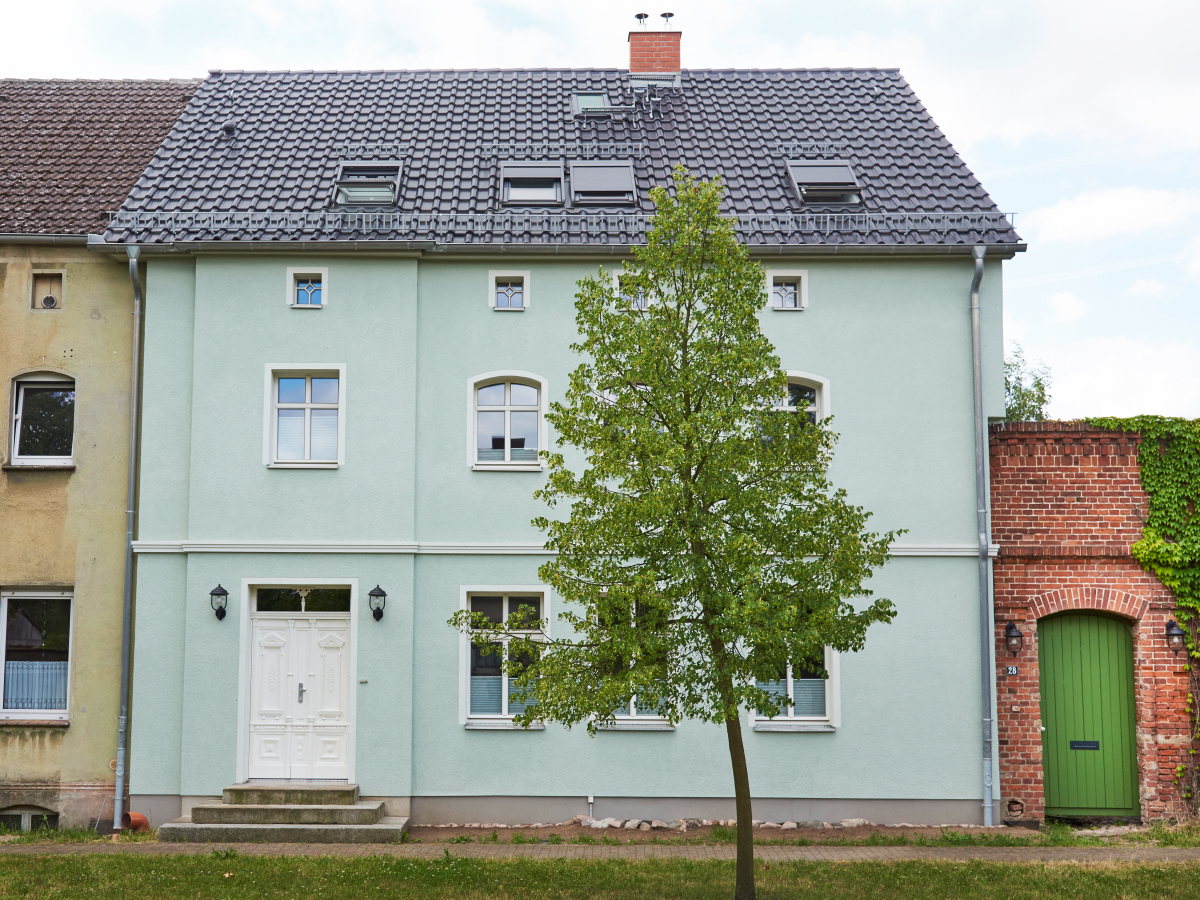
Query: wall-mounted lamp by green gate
[(378, 601), (1175, 636), (218, 597), (1013, 639)]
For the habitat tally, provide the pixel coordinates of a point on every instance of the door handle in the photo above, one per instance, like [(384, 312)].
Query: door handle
[(301, 697)]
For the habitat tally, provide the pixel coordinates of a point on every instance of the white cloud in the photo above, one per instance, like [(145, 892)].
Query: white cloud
[(1110, 212), (1192, 255), (1122, 377), (1014, 329), (1067, 308), (1146, 287)]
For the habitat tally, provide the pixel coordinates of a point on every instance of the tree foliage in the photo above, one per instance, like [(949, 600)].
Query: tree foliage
[(704, 547), (1026, 388)]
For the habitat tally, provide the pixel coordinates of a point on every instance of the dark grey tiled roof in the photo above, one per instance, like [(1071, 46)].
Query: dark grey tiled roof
[(272, 179)]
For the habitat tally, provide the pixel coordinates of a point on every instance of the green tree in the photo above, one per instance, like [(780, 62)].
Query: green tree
[(705, 548), (1026, 388)]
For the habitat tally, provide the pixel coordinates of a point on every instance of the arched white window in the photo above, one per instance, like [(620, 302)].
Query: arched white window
[(808, 395), (507, 424), (43, 420)]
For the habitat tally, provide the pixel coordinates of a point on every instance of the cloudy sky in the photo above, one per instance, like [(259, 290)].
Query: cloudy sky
[(1081, 117)]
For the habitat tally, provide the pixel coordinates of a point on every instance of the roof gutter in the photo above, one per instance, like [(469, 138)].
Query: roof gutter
[(18, 237), (981, 498), (130, 515)]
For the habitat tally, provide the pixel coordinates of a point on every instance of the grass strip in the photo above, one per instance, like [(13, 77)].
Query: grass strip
[(450, 878)]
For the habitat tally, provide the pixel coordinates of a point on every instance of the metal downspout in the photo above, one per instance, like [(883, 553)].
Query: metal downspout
[(130, 513), (981, 497)]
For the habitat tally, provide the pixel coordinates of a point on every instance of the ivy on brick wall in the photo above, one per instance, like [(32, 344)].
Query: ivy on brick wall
[(1169, 463)]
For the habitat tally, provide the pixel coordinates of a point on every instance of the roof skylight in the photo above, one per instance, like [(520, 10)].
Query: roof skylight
[(531, 182), (602, 182), (374, 183), (825, 181)]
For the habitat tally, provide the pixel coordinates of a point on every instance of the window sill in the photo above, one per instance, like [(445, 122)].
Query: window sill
[(789, 308), (500, 725), (768, 725), (509, 309), (636, 724), (307, 305), (303, 465), (38, 467), (507, 467), (34, 723)]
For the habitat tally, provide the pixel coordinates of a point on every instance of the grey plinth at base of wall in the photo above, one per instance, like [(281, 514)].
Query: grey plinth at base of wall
[(387, 830)]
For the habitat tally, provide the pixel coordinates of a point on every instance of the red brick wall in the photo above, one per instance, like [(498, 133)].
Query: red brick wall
[(1067, 502), (654, 51)]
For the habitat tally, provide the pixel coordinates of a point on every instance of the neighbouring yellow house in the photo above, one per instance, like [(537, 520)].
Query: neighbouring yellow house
[(69, 152)]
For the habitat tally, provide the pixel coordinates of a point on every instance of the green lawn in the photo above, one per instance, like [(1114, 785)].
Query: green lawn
[(163, 878)]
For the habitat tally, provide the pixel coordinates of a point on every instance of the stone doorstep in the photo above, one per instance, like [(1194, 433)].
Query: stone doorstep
[(364, 812), (388, 830), (291, 794)]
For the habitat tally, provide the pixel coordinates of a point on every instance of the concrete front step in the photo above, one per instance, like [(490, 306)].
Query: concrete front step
[(291, 794), (364, 812), (388, 830)]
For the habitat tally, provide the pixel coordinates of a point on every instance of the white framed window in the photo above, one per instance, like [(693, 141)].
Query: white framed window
[(307, 288), (787, 289), (508, 290), (507, 425), (807, 395), (35, 631), (487, 698), (638, 716), (46, 289), (813, 703), (43, 422), (305, 416), (636, 300)]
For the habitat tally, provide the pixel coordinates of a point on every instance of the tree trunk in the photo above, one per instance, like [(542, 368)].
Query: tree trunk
[(744, 887)]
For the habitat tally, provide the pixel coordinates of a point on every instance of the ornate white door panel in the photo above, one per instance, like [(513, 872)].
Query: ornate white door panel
[(300, 697)]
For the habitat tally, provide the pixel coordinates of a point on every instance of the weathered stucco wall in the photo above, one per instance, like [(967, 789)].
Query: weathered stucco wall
[(66, 529)]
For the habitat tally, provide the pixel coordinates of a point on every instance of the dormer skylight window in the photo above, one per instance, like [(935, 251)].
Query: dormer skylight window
[(372, 183), (600, 183), (531, 182), (583, 101), (820, 181)]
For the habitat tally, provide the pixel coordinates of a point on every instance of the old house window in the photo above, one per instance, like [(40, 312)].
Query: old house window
[(36, 631), (43, 421)]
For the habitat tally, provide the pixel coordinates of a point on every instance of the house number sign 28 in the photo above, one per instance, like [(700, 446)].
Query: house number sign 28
[(1012, 670)]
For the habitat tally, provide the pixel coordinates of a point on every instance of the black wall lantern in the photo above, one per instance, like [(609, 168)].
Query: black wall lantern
[(1013, 639), (1175, 636), (218, 597), (378, 601)]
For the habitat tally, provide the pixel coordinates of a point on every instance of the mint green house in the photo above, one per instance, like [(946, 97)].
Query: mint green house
[(359, 304)]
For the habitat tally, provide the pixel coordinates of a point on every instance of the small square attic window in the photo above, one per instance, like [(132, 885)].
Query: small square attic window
[(825, 181), (607, 182), (582, 101), (374, 183), (531, 182)]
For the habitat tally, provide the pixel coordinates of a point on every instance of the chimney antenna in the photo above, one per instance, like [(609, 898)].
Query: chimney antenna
[(642, 17), (666, 17)]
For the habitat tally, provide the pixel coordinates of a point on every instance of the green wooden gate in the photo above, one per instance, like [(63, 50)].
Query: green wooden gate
[(1089, 755)]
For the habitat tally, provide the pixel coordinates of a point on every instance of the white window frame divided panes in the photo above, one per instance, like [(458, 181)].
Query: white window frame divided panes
[(800, 276), (789, 721), (275, 371), (17, 400), (634, 305), (818, 383), (473, 409), (51, 714), (296, 274), (634, 720), (501, 275), (493, 722)]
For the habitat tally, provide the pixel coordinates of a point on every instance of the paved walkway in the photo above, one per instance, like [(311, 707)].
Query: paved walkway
[(1108, 855)]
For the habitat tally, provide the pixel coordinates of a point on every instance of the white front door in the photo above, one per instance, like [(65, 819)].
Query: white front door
[(300, 697)]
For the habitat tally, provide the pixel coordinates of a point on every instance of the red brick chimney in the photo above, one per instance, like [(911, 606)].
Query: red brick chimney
[(654, 52)]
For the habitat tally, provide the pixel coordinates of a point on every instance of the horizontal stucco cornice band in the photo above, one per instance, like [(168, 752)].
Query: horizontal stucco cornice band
[(516, 548), (429, 248)]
